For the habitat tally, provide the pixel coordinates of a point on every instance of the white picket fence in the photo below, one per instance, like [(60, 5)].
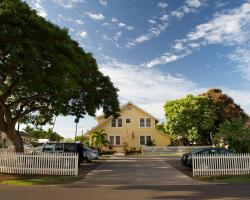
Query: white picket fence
[(217, 165), (39, 163)]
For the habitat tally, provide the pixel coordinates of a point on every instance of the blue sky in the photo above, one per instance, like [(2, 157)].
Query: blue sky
[(158, 50)]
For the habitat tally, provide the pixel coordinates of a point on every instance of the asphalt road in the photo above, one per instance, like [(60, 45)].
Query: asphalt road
[(133, 179)]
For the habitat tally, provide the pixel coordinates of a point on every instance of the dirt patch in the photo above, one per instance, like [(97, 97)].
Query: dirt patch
[(176, 163)]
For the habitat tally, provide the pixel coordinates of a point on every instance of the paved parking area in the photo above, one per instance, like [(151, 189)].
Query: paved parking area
[(136, 179), (135, 171)]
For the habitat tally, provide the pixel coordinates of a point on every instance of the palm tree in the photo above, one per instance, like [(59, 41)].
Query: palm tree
[(99, 139)]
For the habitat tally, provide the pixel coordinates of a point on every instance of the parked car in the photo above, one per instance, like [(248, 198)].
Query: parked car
[(187, 157), (90, 154), (85, 153), (65, 148)]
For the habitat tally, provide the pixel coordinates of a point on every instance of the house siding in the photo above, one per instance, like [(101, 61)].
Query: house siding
[(131, 132)]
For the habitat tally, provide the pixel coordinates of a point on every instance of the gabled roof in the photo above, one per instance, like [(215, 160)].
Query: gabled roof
[(121, 108)]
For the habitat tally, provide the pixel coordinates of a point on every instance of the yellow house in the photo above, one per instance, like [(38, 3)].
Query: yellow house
[(134, 128)]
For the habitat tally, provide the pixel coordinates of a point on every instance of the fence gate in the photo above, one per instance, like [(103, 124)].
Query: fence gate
[(168, 151)]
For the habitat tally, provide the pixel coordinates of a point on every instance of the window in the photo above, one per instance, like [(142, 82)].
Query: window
[(116, 122), (119, 122), (142, 122), (128, 120), (145, 139), (148, 122), (117, 140), (114, 140), (111, 140), (59, 147), (69, 147), (145, 122), (142, 140), (113, 123), (148, 139)]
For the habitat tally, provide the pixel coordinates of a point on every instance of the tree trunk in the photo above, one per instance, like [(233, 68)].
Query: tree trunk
[(7, 125), (15, 138)]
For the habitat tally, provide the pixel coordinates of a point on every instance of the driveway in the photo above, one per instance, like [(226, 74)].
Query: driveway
[(136, 171), (135, 179)]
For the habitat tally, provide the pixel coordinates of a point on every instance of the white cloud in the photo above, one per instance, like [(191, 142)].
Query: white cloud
[(162, 5), (152, 21), (103, 2), (37, 5), (231, 28), (193, 3), (135, 82), (130, 28), (242, 57), (68, 3), (114, 19), (82, 34), (121, 24), (78, 21), (95, 16), (157, 26)]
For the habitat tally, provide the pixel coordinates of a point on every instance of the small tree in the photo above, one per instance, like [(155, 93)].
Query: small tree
[(235, 134), (99, 139), (190, 118)]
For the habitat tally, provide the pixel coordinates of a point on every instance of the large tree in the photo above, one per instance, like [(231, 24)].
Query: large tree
[(225, 107), (190, 118), (43, 72)]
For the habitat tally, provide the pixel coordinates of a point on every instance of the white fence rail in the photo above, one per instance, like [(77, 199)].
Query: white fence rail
[(216, 165), (166, 151), (39, 163)]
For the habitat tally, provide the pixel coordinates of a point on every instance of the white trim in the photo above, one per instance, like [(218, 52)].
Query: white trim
[(145, 122), (115, 140), (117, 122), (145, 139)]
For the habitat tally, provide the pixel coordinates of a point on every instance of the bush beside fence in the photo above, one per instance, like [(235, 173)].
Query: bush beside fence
[(217, 165), (39, 163)]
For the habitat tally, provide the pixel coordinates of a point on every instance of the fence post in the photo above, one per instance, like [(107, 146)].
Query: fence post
[(76, 164)]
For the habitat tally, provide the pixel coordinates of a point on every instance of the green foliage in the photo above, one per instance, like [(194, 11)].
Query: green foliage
[(235, 134), (161, 127), (191, 117), (225, 107), (39, 133), (83, 139), (151, 143), (43, 72), (99, 139)]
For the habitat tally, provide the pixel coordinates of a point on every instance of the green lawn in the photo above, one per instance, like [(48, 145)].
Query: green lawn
[(42, 180), (243, 179)]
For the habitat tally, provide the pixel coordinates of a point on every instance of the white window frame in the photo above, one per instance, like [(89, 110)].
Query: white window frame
[(145, 122), (145, 139), (116, 123), (114, 136)]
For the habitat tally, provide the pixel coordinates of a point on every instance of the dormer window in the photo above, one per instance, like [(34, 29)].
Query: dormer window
[(116, 122)]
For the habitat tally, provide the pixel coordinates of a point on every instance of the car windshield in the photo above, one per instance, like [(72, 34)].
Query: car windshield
[(198, 150)]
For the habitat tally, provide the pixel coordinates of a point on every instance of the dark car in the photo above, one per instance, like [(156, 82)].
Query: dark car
[(187, 157), (65, 148)]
